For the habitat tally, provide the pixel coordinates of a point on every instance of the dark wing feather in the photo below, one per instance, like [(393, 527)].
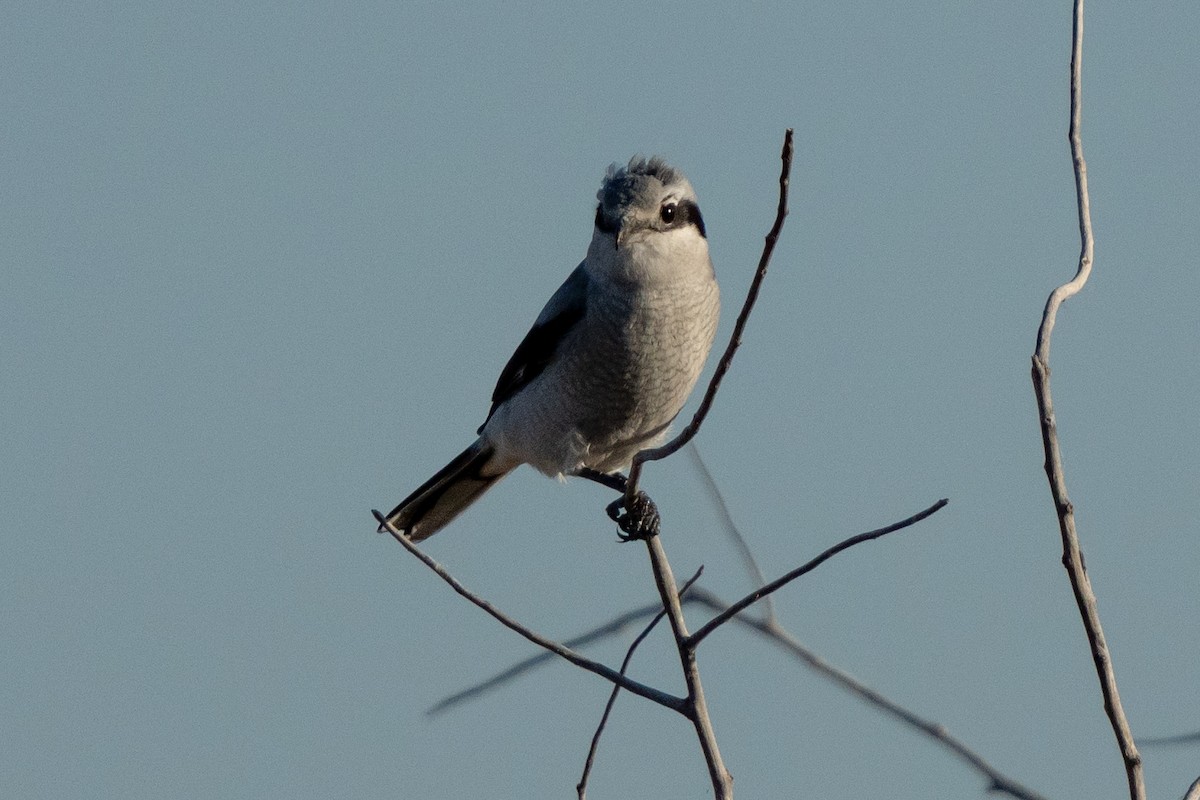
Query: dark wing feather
[(561, 314)]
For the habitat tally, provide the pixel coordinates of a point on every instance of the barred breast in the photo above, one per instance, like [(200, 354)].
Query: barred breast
[(624, 375)]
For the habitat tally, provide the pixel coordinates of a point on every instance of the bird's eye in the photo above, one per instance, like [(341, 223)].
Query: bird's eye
[(667, 213)]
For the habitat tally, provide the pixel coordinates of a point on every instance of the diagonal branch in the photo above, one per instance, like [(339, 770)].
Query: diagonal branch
[(735, 341), (763, 591), (670, 701), (609, 628), (1072, 557)]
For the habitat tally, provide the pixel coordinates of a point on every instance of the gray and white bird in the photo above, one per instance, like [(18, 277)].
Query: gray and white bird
[(611, 359)]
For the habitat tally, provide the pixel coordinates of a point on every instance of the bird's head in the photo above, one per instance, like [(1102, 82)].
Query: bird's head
[(647, 210)]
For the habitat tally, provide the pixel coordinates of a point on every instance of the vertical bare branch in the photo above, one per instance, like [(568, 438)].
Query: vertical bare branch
[(1081, 585), (1087, 243), (696, 708)]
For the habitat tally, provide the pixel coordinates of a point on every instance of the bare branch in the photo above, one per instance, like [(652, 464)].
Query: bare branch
[(1087, 242), (763, 591), (650, 693), (685, 436), (609, 628), (697, 708), (1179, 738), (1072, 558), (581, 787), (772, 630)]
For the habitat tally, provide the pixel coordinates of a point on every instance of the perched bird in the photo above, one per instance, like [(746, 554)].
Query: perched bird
[(609, 362)]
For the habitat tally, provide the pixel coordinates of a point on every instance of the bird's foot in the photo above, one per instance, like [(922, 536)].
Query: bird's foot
[(638, 520)]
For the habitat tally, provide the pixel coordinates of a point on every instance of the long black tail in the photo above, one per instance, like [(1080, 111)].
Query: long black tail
[(444, 496)]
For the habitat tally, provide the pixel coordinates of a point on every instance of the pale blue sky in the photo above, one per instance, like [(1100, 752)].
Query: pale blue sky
[(262, 264)]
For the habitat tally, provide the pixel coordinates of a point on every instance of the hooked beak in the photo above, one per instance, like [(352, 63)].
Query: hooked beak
[(625, 232)]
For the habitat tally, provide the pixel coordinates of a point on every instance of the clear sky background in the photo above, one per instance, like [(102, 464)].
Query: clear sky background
[(261, 265)]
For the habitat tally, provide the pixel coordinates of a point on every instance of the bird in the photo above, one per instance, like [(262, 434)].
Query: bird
[(609, 362)]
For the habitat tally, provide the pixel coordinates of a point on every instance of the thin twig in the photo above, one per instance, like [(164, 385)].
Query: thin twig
[(541, 659), (763, 591), (685, 436), (650, 693), (609, 628), (1159, 741), (696, 707), (757, 578), (581, 787), (1072, 558), (772, 630)]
